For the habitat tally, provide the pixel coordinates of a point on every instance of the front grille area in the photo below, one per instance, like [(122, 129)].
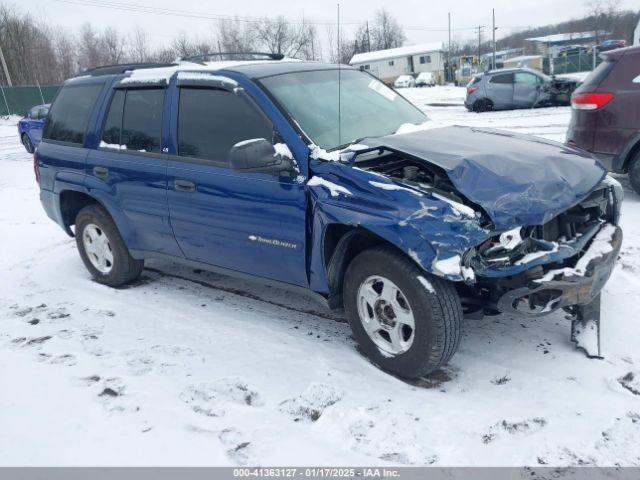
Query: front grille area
[(562, 229)]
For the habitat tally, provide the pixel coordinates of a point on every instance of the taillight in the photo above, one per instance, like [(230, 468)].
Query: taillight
[(36, 170), (590, 101), (470, 90)]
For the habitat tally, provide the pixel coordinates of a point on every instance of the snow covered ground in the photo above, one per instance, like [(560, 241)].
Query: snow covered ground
[(192, 368)]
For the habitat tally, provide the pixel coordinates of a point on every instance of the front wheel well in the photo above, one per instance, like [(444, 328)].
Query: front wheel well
[(71, 202), (342, 243)]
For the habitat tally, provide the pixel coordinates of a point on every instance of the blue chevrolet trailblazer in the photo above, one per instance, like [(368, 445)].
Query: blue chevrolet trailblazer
[(320, 178)]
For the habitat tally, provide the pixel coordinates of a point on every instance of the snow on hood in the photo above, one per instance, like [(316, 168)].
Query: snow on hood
[(517, 179)]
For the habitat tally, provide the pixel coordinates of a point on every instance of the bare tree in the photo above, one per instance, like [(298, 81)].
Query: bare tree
[(182, 46), (89, 48), (66, 54), (387, 31), (292, 40), (138, 46), (604, 15), (112, 45), (236, 36)]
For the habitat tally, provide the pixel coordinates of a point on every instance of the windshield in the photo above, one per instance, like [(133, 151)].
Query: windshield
[(368, 108)]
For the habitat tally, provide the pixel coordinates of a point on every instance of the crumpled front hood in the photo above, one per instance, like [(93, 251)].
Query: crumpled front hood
[(516, 179)]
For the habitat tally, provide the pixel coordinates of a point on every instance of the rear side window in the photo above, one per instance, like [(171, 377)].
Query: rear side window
[(597, 76), (112, 128), (211, 121), (69, 115), (503, 78), (142, 120)]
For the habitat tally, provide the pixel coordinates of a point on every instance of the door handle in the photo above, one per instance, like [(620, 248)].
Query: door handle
[(101, 172), (184, 186)]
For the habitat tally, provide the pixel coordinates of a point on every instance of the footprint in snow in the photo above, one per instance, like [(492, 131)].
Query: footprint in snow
[(524, 427), (383, 432), (239, 449), (311, 404), (210, 398), (631, 382)]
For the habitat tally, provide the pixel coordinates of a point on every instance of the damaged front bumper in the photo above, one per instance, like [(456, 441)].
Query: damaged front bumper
[(576, 289)]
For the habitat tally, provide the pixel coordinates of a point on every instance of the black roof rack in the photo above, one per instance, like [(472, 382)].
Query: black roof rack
[(121, 68), (202, 57)]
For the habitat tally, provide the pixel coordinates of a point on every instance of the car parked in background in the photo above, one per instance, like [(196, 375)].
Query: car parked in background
[(404, 81), (425, 79), (605, 117), (611, 45), (508, 89), (31, 125)]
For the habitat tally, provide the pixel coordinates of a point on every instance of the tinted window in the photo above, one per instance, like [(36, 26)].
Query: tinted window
[(599, 74), (70, 113), (503, 78), (142, 120), (210, 122), (113, 123)]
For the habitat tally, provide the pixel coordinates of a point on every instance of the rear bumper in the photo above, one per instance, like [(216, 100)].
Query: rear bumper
[(577, 285)]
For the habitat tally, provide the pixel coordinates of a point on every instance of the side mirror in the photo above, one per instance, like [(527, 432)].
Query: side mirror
[(258, 156)]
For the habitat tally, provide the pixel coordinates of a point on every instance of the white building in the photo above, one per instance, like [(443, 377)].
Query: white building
[(389, 64), (636, 34)]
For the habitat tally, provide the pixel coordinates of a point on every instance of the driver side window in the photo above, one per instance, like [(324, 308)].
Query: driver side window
[(526, 78), (211, 121)]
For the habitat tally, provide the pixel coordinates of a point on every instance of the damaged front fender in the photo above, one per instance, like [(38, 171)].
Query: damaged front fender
[(434, 231)]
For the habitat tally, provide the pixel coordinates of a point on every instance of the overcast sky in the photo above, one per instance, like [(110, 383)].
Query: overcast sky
[(424, 20)]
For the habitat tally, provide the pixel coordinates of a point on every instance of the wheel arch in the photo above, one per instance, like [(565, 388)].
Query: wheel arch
[(629, 153), (71, 202), (340, 245)]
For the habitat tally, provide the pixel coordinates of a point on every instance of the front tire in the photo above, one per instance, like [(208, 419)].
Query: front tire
[(102, 249), (634, 173), (26, 141), (406, 321)]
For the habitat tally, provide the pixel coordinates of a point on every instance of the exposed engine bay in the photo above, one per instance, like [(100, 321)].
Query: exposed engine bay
[(560, 90)]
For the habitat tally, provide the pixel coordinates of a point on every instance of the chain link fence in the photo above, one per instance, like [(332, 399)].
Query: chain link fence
[(18, 100)]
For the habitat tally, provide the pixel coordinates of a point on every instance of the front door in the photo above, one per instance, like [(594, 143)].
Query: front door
[(247, 222)]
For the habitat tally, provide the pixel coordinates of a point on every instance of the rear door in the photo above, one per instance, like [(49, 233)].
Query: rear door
[(248, 222), (500, 90), (128, 169), (526, 89)]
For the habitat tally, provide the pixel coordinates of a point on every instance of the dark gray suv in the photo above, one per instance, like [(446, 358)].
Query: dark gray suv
[(507, 89)]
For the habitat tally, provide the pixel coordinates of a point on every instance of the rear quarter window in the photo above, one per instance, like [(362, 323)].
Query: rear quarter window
[(70, 112), (597, 76)]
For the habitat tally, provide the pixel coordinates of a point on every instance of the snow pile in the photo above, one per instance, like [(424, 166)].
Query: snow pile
[(207, 77)]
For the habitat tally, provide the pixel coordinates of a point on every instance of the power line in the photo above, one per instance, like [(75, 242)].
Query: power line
[(138, 8)]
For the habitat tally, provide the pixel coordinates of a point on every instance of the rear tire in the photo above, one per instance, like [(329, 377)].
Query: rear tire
[(432, 303), (634, 173), (102, 249), (482, 105), (26, 141)]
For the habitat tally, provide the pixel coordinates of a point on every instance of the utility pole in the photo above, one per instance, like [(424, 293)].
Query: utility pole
[(449, 71), (4, 67), (480, 27), (493, 14)]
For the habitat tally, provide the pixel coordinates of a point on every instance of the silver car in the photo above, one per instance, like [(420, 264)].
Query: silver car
[(508, 89)]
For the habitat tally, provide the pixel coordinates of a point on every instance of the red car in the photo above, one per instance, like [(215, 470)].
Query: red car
[(605, 117)]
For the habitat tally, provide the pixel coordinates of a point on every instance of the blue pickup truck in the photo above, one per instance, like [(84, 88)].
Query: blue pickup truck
[(321, 179)]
